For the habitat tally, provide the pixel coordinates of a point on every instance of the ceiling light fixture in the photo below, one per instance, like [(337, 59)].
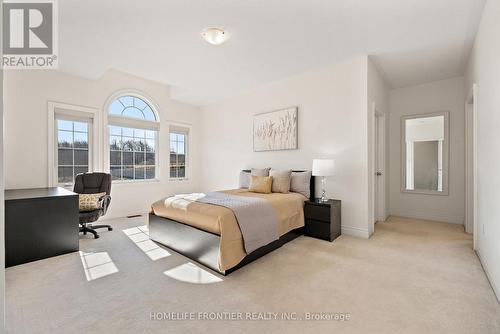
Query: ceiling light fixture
[(214, 36)]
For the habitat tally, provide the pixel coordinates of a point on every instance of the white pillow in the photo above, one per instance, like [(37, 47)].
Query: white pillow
[(281, 180), (260, 171), (300, 182), (244, 181)]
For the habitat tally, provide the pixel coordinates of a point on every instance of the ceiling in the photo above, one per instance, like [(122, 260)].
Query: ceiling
[(411, 41)]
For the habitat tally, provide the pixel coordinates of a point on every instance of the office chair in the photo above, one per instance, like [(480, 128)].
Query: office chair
[(92, 183)]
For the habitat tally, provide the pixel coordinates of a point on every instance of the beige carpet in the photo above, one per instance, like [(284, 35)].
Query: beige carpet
[(410, 277)]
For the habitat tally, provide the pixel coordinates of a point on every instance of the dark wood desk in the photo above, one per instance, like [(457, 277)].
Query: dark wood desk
[(39, 223)]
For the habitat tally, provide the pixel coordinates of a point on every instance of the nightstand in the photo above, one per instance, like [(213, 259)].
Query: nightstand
[(322, 219)]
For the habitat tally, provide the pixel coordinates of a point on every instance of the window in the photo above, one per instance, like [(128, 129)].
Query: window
[(132, 107), (132, 153), (178, 152), (72, 131), (72, 149), (133, 132)]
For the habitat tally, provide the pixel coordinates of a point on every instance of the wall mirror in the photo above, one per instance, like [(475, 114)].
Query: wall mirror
[(425, 153)]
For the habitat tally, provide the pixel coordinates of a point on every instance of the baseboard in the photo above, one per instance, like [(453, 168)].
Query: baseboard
[(435, 218), (347, 230), (106, 217), (486, 271), (428, 218), (356, 232)]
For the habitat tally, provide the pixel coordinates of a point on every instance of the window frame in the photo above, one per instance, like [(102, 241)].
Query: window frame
[(56, 148), (185, 129), (128, 122), (57, 110), (157, 166)]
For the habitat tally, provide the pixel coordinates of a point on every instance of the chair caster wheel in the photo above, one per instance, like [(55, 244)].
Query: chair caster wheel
[(110, 229), (96, 236)]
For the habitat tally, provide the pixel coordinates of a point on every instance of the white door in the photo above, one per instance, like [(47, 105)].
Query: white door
[(379, 207)]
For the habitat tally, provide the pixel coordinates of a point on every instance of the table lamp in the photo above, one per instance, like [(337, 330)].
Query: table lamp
[(323, 168)]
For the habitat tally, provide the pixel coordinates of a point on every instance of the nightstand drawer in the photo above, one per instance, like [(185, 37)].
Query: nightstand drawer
[(318, 229), (317, 212)]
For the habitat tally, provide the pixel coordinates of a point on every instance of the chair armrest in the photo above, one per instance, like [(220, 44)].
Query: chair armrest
[(104, 202)]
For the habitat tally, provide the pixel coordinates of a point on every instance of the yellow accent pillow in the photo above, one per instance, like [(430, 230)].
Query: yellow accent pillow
[(261, 184), (89, 202)]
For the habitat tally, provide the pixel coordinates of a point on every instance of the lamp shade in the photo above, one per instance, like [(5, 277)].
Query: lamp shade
[(323, 167)]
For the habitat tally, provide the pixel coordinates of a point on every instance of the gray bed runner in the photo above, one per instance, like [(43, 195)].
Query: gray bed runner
[(256, 217)]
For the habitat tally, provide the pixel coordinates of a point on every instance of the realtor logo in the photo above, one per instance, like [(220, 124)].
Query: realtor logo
[(29, 34)]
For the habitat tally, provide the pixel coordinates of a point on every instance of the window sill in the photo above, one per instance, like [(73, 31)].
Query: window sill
[(178, 179), (135, 181)]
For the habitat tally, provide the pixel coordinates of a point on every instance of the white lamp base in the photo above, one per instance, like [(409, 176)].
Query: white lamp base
[(323, 192)]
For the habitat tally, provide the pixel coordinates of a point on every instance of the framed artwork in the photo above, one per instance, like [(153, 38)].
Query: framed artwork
[(275, 130)]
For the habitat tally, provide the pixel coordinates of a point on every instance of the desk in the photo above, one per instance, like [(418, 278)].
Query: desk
[(39, 223)]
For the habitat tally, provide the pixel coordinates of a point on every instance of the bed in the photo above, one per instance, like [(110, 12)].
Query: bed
[(210, 234)]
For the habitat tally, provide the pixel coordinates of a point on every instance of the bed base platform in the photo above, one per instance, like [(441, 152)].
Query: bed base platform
[(202, 246)]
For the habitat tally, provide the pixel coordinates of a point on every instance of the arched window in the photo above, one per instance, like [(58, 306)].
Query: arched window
[(132, 107), (133, 138)]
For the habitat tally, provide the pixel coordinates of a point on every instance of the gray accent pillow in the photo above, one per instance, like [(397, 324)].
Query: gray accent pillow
[(300, 183), (281, 180), (260, 171), (244, 181)]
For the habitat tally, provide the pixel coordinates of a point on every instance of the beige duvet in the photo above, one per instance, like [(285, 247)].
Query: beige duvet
[(221, 221)]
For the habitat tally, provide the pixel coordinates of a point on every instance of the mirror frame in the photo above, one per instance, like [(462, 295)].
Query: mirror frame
[(446, 153)]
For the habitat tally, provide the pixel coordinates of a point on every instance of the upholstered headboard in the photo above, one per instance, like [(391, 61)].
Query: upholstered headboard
[(312, 185)]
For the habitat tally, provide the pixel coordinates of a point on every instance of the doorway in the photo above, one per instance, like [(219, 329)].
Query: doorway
[(470, 223)]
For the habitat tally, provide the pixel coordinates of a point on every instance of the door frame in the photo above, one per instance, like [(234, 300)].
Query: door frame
[(471, 221), (379, 164)]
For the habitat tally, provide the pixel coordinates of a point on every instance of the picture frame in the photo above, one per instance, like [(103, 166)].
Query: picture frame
[(276, 130)]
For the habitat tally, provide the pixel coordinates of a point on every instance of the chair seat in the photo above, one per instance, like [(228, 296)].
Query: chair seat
[(90, 216)]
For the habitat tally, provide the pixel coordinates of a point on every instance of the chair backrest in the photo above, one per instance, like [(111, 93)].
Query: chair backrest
[(91, 183)]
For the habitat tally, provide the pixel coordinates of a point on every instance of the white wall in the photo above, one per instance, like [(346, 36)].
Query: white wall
[(332, 123), (444, 95), (26, 119), (2, 204), (378, 93), (2, 210), (484, 70)]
